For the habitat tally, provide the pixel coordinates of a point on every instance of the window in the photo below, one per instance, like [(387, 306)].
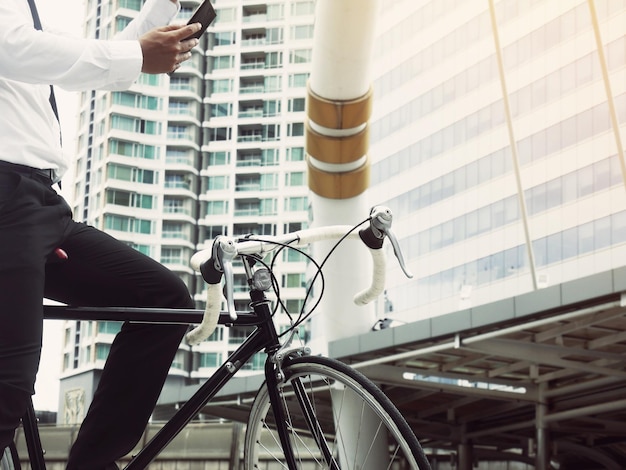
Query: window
[(217, 182), (269, 181), (127, 224), (298, 80), (219, 133), (133, 149), (224, 38), (295, 129), (172, 256), (174, 206), (174, 230), (272, 83), (223, 62), (149, 79), (295, 154), (273, 60), (210, 360), (219, 158), (302, 32), (130, 124), (294, 280), (213, 231), (124, 198), (178, 107), (269, 157), (130, 4), (225, 15), (295, 179), (257, 362), (297, 105), (293, 256), (177, 181), (133, 100), (180, 83), (306, 7), (109, 327), (275, 12), (224, 85), (221, 109), (178, 132), (102, 351), (300, 56), (274, 36), (238, 334), (121, 22), (217, 207), (268, 206), (295, 204), (271, 108)]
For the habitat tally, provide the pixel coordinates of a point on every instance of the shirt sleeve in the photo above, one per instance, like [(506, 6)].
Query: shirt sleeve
[(32, 56)]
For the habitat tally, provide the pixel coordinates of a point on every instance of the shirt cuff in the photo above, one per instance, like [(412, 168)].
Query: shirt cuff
[(127, 64)]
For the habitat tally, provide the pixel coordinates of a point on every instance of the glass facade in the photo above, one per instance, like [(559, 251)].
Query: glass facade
[(502, 159)]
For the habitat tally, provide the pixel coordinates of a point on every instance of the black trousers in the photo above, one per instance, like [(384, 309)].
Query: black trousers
[(100, 271)]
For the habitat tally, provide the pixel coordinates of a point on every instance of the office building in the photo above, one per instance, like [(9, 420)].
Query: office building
[(498, 141)]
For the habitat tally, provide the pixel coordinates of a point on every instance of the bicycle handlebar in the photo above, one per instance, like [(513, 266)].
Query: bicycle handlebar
[(217, 261)]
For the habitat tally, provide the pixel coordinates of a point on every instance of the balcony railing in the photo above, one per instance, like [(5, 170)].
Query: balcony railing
[(248, 187), (247, 212), (252, 89), (250, 138), (177, 185)]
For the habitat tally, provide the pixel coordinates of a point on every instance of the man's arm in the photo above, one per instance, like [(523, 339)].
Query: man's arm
[(32, 56)]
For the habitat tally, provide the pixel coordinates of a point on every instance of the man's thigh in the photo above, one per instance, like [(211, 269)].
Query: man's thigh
[(103, 271)]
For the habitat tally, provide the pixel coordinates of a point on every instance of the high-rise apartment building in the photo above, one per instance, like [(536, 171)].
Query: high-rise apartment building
[(217, 148)]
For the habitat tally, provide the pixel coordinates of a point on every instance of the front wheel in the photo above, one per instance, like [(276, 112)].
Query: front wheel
[(335, 417), (9, 459)]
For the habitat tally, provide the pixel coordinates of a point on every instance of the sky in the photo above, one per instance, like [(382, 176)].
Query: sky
[(68, 17)]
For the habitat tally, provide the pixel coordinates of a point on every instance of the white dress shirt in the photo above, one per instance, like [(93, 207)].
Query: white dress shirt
[(31, 61)]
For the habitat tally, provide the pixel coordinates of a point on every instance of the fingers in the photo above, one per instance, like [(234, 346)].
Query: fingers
[(185, 31), (166, 47)]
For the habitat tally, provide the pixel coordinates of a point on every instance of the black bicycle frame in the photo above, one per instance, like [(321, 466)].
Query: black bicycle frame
[(264, 337)]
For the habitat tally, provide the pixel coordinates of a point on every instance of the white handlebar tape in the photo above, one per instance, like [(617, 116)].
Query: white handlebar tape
[(211, 315), (198, 258), (377, 287)]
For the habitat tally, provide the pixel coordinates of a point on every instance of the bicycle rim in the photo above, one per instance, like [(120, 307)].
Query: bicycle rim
[(355, 426)]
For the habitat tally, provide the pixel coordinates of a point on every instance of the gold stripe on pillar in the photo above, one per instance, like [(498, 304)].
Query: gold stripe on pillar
[(341, 185), (340, 114), (340, 148)]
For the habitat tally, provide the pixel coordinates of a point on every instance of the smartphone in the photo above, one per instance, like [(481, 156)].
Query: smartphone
[(204, 14)]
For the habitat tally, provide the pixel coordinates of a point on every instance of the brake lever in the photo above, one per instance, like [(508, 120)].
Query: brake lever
[(224, 251), (381, 218)]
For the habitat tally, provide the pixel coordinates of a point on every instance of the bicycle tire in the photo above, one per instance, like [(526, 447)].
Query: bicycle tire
[(9, 459), (397, 445)]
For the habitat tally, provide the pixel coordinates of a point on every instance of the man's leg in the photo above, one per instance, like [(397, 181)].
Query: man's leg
[(102, 271), (32, 218)]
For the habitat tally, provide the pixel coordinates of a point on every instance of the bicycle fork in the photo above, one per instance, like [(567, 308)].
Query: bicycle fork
[(274, 374)]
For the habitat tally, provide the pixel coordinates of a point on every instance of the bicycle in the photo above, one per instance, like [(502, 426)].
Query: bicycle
[(311, 411)]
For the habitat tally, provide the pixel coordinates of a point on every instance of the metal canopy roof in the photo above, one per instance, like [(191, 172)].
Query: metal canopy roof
[(490, 379), (491, 376)]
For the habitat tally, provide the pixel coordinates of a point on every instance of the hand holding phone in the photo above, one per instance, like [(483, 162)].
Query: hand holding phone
[(204, 14)]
